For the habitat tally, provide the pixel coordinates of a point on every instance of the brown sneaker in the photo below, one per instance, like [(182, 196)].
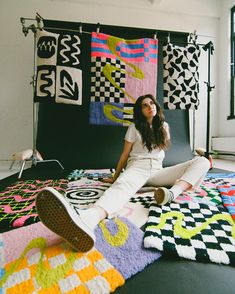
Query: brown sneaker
[(61, 218), (163, 195)]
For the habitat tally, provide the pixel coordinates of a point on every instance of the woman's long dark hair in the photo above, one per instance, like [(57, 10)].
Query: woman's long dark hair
[(151, 137)]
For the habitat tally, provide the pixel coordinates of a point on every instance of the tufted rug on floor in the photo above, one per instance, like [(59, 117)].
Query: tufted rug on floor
[(193, 231), (121, 242), (228, 197), (17, 202), (35, 260)]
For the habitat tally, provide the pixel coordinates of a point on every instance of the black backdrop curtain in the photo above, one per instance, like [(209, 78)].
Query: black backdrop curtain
[(64, 132)]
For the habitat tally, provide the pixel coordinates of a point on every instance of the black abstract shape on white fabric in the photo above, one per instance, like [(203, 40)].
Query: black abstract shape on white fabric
[(181, 76), (59, 74), (68, 87), (46, 75), (83, 196), (46, 46), (68, 51)]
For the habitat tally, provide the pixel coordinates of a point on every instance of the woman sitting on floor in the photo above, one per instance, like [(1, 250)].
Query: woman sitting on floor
[(142, 157)]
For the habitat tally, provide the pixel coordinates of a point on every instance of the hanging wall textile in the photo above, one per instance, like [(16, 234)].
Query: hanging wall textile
[(181, 76), (121, 71), (59, 77), (193, 231)]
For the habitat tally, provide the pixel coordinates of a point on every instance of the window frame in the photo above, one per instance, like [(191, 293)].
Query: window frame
[(232, 65)]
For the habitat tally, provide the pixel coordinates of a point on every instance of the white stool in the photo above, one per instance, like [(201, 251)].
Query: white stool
[(30, 155)]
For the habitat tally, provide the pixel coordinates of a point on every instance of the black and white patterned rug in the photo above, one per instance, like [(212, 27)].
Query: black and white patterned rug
[(181, 76), (193, 231)]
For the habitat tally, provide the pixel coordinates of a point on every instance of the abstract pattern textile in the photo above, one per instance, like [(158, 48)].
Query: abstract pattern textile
[(121, 71), (193, 231), (221, 175), (59, 77), (57, 269), (121, 243), (207, 193), (228, 197), (90, 174), (181, 76), (42, 263), (82, 193), (17, 202)]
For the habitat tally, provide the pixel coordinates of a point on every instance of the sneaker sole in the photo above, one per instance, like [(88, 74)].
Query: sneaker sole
[(159, 196), (54, 215)]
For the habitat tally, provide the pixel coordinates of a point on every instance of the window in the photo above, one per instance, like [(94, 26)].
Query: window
[(232, 99)]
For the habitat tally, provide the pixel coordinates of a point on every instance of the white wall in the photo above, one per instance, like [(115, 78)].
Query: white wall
[(226, 128), (16, 58)]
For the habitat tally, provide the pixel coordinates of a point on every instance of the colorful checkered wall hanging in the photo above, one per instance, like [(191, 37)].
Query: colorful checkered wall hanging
[(121, 71)]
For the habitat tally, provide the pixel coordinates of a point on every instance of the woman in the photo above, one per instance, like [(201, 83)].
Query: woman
[(142, 155)]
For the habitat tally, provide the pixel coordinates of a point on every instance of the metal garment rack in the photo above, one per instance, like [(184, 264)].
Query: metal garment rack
[(37, 25), (209, 47)]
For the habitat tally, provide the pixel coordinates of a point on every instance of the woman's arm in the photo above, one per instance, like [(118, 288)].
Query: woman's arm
[(122, 161), (167, 128)]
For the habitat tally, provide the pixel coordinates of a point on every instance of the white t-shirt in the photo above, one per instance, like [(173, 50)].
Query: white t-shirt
[(139, 151)]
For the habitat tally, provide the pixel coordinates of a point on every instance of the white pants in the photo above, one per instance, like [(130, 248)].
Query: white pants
[(147, 172)]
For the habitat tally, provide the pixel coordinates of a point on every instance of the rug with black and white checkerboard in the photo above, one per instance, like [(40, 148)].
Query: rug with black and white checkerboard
[(120, 71), (193, 231), (202, 208)]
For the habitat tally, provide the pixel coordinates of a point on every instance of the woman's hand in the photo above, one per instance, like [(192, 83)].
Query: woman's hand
[(108, 180), (121, 163)]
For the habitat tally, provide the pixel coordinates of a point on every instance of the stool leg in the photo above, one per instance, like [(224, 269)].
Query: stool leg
[(21, 168), (12, 165)]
